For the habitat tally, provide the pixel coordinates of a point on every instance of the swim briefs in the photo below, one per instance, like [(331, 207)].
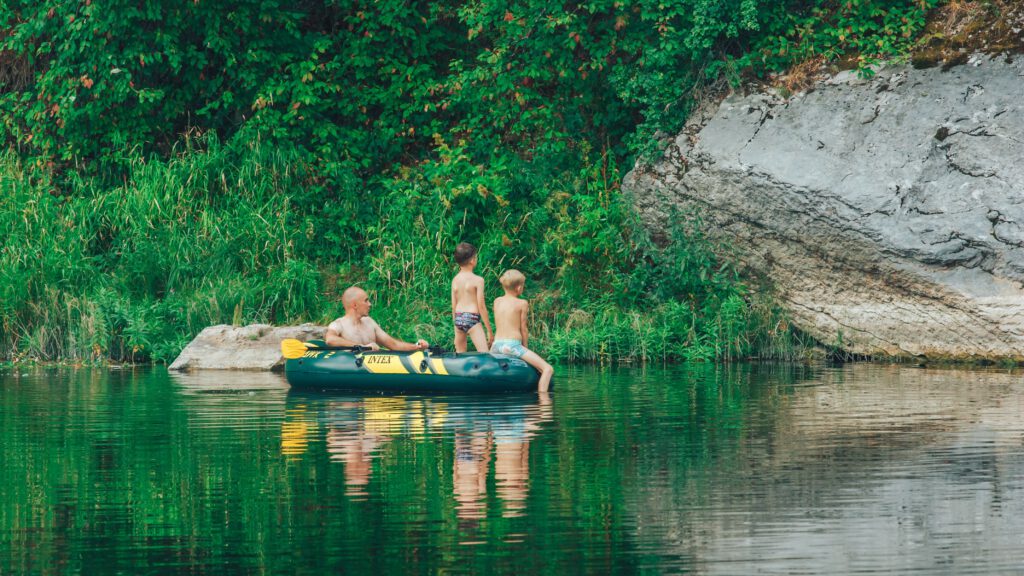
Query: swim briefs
[(464, 321), (508, 348)]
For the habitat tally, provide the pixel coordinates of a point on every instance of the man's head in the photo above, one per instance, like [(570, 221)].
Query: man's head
[(356, 301), (464, 253), (512, 280)]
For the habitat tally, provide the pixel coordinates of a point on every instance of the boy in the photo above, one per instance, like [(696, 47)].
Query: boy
[(469, 308), (511, 334)]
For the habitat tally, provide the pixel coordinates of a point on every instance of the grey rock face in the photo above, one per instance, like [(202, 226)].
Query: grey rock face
[(887, 214), (253, 347)]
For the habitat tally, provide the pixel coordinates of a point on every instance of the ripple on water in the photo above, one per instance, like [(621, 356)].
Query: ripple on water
[(712, 469)]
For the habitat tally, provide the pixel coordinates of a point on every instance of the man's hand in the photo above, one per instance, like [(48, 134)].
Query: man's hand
[(372, 346), (422, 344)]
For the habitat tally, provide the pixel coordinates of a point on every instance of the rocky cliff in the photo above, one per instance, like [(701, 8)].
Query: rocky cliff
[(887, 214)]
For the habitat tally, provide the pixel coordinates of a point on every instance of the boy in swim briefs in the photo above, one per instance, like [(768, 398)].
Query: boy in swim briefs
[(511, 333), (469, 308)]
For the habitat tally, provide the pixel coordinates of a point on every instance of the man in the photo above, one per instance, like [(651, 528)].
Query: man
[(356, 328)]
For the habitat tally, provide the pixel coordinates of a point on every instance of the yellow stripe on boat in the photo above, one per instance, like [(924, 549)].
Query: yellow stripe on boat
[(384, 364), (416, 360), (438, 366)]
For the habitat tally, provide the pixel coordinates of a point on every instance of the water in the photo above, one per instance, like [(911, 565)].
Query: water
[(700, 469)]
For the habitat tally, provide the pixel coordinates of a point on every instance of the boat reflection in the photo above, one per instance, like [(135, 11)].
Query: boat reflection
[(480, 436)]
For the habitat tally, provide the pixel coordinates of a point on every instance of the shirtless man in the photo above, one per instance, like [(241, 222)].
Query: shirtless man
[(469, 308), (356, 328)]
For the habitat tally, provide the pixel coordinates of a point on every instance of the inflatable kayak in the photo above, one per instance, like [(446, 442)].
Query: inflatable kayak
[(318, 367)]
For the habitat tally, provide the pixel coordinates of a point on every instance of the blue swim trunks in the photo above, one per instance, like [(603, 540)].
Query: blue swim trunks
[(465, 321), (509, 348)]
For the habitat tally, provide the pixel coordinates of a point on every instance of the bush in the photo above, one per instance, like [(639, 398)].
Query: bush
[(174, 165)]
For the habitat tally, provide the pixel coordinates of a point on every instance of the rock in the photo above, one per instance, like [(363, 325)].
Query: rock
[(253, 347), (887, 215)]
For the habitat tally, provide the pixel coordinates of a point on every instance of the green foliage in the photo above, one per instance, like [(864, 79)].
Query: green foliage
[(360, 86), (869, 30), (175, 164), (133, 272)]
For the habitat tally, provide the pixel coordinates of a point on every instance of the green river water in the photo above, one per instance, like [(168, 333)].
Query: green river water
[(747, 469)]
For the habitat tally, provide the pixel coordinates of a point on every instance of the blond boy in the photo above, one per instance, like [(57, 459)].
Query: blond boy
[(511, 333), (469, 308)]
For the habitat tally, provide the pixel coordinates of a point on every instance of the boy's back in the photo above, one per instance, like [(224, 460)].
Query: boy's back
[(509, 312), (466, 287)]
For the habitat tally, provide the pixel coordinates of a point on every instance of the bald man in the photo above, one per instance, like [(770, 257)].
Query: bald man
[(356, 328)]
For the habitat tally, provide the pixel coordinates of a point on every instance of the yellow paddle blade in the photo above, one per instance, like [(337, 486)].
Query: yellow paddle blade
[(292, 348)]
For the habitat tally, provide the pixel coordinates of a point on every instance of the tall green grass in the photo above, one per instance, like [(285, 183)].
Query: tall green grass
[(599, 290), (735, 329), (134, 271), (232, 234), (363, 153)]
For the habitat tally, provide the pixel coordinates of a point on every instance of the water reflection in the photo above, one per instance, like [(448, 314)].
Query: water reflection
[(236, 400), (698, 468), (489, 438), (863, 469), (504, 438)]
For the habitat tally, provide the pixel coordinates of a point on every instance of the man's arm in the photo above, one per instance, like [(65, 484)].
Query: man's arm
[(523, 313), (391, 343)]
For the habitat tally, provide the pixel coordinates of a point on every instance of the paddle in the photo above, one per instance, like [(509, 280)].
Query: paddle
[(292, 348)]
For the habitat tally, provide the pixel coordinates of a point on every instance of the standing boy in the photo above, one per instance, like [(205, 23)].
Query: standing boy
[(469, 309), (511, 334)]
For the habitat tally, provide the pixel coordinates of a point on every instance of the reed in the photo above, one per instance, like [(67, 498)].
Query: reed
[(234, 234), (134, 271)]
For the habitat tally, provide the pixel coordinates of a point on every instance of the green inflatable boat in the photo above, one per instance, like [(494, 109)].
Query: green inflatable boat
[(314, 366)]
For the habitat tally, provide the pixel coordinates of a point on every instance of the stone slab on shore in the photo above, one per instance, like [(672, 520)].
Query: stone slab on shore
[(252, 347)]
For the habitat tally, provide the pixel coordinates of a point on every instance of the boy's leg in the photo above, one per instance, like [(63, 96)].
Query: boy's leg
[(460, 340), (545, 369), (479, 337)]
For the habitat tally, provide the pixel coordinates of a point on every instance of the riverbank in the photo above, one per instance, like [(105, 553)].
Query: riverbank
[(148, 196), (131, 273)]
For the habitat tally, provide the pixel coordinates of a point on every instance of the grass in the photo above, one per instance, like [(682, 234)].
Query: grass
[(215, 235), (133, 272)]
